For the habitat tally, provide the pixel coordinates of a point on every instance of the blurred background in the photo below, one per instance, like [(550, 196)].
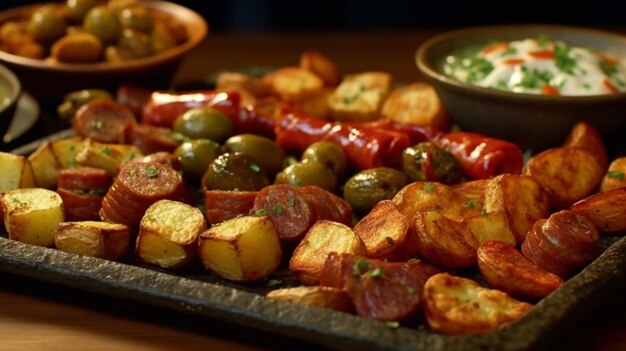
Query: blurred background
[(288, 15)]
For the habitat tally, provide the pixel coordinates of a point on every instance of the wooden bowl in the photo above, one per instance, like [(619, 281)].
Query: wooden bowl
[(533, 121), (49, 81), (11, 90)]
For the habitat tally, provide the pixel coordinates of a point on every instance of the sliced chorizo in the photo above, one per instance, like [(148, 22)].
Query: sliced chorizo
[(84, 178), (103, 120), (80, 206), (223, 205), (326, 204), (150, 139)]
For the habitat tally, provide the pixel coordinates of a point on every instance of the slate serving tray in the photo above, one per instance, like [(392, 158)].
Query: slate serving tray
[(198, 292)]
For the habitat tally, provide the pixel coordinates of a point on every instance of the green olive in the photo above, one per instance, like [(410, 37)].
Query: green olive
[(102, 22), (74, 100), (138, 44), (235, 172), (204, 123), (77, 9), (46, 24), (264, 150), (428, 162), (116, 54), (136, 17), (366, 188), (289, 160), (196, 155), (327, 154), (308, 173)]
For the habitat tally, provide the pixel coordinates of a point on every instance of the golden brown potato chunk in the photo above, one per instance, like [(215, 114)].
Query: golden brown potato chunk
[(616, 175), (455, 305), (606, 210), (585, 136), (46, 166), (319, 296), (97, 239), (321, 65), (15, 172), (293, 83), (431, 196), (360, 97), (491, 226), (416, 104)]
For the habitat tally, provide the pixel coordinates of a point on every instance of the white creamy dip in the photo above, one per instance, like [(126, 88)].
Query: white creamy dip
[(540, 66)]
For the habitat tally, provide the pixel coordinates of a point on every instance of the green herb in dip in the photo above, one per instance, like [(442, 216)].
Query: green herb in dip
[(539, 66)]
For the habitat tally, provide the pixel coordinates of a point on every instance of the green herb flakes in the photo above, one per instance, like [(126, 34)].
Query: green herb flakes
[(615, 175), (278, 209), (471, 203), (429, 187), (255, 168), (260, 213), (410, 290), (106, 151), (392, 324), (360, 266), (152, 172), (274, 282), (375, 273)]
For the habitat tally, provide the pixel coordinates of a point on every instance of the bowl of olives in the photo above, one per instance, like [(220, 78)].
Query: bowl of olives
[(58, 47)]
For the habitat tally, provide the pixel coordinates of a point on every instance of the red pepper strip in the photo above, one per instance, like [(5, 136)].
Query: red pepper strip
[(548, 89), (513, 62), (544, 54), (612, 88), (163, 107), (497, 46), (482, 157), (364, 147), (252, 121)]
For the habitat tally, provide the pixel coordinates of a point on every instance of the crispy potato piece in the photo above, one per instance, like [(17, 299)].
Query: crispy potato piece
[(587, 137), (32, 215), (241, 249), (105, 156), (293, 84), (568, 174), (360, 97), (430, 196), (15, 172), (606, 210), (491, 226), (320, 65), (386, 233), (316, 105), (506, 269), (616, 175), (444, 242), (416, 104), (81, 47), (323, 238), (168, 234), (520, 198), (90, 238), (319, 296), (455, 305), (472, 190), (65, 150), (46, 166), (257, 87)]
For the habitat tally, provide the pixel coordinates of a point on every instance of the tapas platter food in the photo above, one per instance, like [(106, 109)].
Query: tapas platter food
[(358, 192)]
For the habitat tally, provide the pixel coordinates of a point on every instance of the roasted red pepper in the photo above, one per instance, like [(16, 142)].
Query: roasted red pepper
[(364, 147), (163, 108), (482, 157)]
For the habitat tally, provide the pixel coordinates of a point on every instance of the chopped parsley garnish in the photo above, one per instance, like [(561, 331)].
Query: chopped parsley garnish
[(429, 187), (375, 273), (274, 282), (587, 86), (260, 213), (292, 202), (471, 203), (151, 219), (16, 200), (563, 60), (132, 155), (360, 266), (509, 51), (72, 148), (478, 68), (97, 191), (350, 100), (615, 175), (534, 79), (410, 290), (484, 213), (152, 172), (392, 324), (607, 68), (278, 209), (255, 168), (180, 137), (296, 181), (543, 40), (106, 151)]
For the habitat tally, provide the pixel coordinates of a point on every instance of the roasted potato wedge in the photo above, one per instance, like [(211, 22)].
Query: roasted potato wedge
[(323, 238), (521, 199), (316, 104), (430, 196), (257, 87), (455, 305), (319, 296), (416, 104), (15, 172), (292, 84), (90, 238), (491, 226), (241, 249), (444, 242), (106, 156), (168, 234), (360, 97), (46, 166), (81, 47), (568, 174), (32, 215), (616, 175), (506, 269), (386, 233), (65, 150), (585, 136), (321, 65), (606, 210)]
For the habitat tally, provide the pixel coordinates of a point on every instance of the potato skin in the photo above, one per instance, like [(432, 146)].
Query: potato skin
[(606, 210), (585, 136), (97, 239), (416, 104)]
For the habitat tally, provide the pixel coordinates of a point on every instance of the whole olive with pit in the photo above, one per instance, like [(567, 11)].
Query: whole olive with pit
[(46, 24), (235, 172), (196, 155), (328, 154), (136, 17), (77, 9), (264, 150), (426, 162), (308, 173), (366, 188), (102, 22), (204, 123)]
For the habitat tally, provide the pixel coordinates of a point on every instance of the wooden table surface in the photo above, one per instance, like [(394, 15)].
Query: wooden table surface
[(39, 316)]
